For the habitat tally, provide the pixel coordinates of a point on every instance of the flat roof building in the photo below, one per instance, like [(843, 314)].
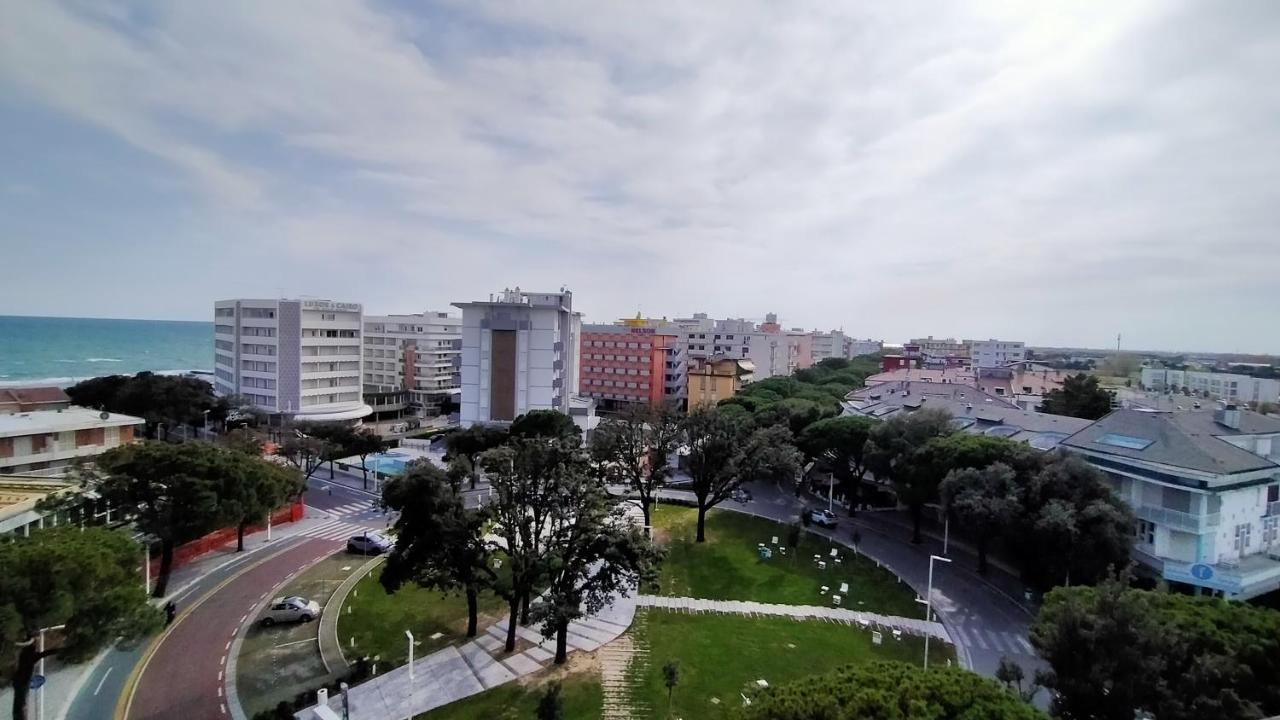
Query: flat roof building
[(412, 362), (50, 439)]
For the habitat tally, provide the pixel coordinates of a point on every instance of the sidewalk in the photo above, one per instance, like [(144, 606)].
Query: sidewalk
[(457, 672), (868, 620)]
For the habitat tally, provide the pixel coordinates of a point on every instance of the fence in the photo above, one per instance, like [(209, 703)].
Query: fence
[(187, 552)]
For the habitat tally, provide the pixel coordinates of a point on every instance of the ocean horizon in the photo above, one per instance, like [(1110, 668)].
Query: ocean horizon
[(63, 351)]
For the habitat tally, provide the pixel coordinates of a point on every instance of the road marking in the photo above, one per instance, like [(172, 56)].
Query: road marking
[(995, 641), (104, 679), (223, 661), (243, 618), (224, 708), (227, 646), (219, 691), (219, 676)]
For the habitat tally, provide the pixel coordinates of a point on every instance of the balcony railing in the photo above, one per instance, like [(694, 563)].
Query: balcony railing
[(1177, 519), (1273, 508)]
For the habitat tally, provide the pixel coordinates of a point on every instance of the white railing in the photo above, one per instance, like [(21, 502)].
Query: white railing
[(1177, 519)]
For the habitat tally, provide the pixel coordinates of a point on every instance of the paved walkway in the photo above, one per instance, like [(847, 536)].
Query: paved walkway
[(457, 672), (869, 620)]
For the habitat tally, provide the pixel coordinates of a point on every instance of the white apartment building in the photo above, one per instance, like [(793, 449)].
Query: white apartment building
[(932, 347), (412, 361), (858, 348), (1205, 486), (297, 358), (49, 439), (1218, 386), (995, 353), (772, 350), (828, 345), (519, 353)]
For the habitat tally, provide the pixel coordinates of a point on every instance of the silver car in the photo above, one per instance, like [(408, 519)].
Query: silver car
[(370, 543), (291, 609)]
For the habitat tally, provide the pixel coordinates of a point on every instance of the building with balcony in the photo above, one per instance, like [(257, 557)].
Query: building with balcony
[(1229, 387), (834, 344), (45, 440), (995, 353), (299, 359), (858, 348), (412, 363), (1205, 486), (636, 361), (941, 348), (715, 379), (519, 353)]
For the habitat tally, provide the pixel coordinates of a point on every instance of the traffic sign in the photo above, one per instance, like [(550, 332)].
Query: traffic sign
[(1200, 571), (37, 682)]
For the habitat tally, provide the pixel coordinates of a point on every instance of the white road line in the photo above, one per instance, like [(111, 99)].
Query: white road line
[(996, 638), (224, 708), (228, 647), (243, 618), (1025, 644), (219, 690), (977, 637), (220, 676), (223, 661), (104, 679)]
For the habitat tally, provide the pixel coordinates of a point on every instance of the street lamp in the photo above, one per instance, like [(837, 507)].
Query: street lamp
[(928, 606), (410, 636), (40, 670)]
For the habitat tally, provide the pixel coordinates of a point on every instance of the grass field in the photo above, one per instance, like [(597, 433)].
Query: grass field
[(728, 567), (377, 620), (720, 656), (580, 692)]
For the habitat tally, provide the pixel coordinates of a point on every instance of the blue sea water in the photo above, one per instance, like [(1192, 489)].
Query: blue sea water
[(62, 351)]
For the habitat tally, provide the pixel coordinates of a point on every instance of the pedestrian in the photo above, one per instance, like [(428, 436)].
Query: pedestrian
[(170, 612)]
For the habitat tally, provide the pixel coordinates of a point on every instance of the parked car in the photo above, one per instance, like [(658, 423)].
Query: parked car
[(741, 495), (291, 609), (825, 518), (370, 543)]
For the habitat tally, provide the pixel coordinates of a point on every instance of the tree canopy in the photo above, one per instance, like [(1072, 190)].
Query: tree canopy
[(889, 690), (1079, 397), (471, 442), (898, 451), (633, 448), (839, 443), (87, 580), (545, 424), (1114, 651), (161, 400)]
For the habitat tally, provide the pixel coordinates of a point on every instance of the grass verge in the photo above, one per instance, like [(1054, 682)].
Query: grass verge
[(728, 566), (580, 691)]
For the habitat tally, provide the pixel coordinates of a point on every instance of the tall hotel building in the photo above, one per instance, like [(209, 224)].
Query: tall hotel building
[(411, 362), (519, 353), (297, 358)]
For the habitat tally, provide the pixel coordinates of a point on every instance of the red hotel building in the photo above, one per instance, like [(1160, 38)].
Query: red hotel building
[(625, 364)]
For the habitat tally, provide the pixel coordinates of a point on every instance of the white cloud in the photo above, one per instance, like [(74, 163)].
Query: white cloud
[(1045, 172)]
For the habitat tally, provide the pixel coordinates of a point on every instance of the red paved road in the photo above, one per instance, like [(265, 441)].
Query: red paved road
[(183, 678)]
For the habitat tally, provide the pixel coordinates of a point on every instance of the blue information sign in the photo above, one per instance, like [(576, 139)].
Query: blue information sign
[(1200, 571)]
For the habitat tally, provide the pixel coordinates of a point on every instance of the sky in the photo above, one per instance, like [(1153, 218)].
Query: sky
[(1050, 172)]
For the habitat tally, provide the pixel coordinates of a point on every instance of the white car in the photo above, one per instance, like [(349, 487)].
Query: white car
[(824, 518), (291, 609)]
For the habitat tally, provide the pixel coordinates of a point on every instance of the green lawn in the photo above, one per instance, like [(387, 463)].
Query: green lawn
[(581, 693), (378, 620), (721, 655), (728, 567)]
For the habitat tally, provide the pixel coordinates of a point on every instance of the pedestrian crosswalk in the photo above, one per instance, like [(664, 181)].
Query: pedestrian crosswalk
[(333, 530), (367, 507), (992, 640)]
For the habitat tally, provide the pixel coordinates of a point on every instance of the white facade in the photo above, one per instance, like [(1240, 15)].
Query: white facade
[(419, 354), (44, 439), (519, 353), (1218, 386), (858, 348), (832, 344), (299, 358), (995, 353)]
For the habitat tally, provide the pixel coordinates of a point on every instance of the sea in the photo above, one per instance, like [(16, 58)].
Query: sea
[(64, 351)]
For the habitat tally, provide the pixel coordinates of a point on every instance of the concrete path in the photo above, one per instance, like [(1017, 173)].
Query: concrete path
[(460, 671), (912, 626)]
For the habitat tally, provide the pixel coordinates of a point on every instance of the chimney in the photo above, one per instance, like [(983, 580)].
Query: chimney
[(1228, 416)]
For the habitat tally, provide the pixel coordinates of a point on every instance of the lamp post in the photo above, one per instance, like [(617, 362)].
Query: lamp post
[(946, 532), (928, 604), (40, 670)]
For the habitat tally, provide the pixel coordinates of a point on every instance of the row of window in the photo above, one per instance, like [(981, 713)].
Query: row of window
[(220, 359), (323, 350), (257, 382), (224, 375), (313, 383), (258, 365), (616, 383), (224, 329), (224, 345), (330, 399), (617, 371), (615, 344), (262, 313), (319, 367), (48, 442), (314, 333), (224, 312), (261, 400), (619, 358), (257, 332), (258, 349)]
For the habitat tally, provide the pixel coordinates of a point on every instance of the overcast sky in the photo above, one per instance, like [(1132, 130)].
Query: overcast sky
[(893, 168)]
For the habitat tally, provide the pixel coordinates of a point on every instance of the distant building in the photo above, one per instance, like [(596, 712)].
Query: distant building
[(28, 399), (942, 376), (995, 353), (634, 362), (715, 379), (858, 348), (772, 350), (1205, 486), (44, 440), (20, 497), (520, 352), (296, 358), (412, 362), (941, 348), (1217, 386), (1025, 382)]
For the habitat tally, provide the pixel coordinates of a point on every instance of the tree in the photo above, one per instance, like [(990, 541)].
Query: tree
[(161, 400), (550, 704), (85, 580), (251, 488), (889, 690), (545, 424), (633, 450), (594, 553), (337, 440), (1079, 397), (527, 476), (473, 441), (984, 501), (242, 441), (1069, 525), (305, 453), (713, 442), (770, 454), (1012, 675), (840, 443), (670, 678), (169, 491), (439, 542), (364, 443), (895, 451)]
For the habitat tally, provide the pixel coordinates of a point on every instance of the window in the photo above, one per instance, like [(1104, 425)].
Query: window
[(1244, 538), (1125, 441), (1270, 526), (1145, 532), (90, 436)]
